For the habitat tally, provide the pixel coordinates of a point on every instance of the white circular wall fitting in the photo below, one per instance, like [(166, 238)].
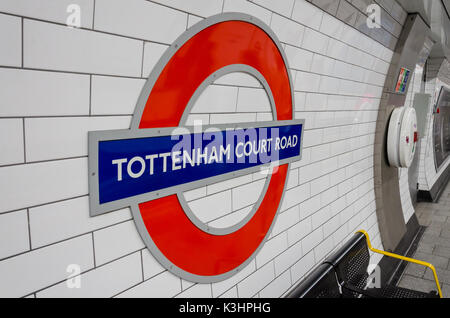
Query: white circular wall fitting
[(402, 137)]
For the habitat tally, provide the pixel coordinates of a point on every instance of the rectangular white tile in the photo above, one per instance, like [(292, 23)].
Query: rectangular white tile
[(307, 14), (56, 11), (307, 82), (271, 249), (114, 95), (186, 284), (116, 241), (253, 100), (247, 194), (332, 225), (238, 79), (358, 73), (299, 269), (65, 137), (206, 209), (248, 8), (256, 281), (320, 184), (202, 8), (298, 59), (163, 285), (194, 194), (139, 19), (306, 159), (300, 101), (264, 117), (332, 26), (232, 218), (337, 176), (342, 70), (294, 196), (220, 287), (309, 172), (322, 65), (346, 214), (299, 231), (150, 265), (231, 293), (232, 118), (55, 47), (11, 39), (197, 291), (11, 141), (329, 85), (316, 102), (59, 221), (216, 99), (324, 248), (288, 258), (321, 216), (36, 93), (315, 41), (282, 7), (351, 88), (277, 287), (285, 220), (310, 206), (292, 179), (228, 184), (197, 119), (193, 19), (312, 240), (101, 282), (329, 165), (320, 152), (152, 54), (14, 233), (27, 273), (34, 184), (313, 138), (287, 30), (337, 49)]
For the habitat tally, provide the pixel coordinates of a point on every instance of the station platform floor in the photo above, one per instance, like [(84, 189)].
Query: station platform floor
[(433, 247)]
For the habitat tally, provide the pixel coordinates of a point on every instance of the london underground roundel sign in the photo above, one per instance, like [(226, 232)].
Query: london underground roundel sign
[(149, 166)]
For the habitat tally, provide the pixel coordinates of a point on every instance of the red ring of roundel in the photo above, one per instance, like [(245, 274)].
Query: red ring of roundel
[(219, 45)]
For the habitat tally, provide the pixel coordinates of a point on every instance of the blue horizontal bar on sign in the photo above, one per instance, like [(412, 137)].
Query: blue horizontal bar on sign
[(134, 166)]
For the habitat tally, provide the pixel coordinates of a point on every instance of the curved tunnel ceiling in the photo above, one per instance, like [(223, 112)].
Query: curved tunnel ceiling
[(436, 13)]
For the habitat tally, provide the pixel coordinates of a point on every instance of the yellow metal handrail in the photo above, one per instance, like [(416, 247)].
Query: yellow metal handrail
[(403, 258)]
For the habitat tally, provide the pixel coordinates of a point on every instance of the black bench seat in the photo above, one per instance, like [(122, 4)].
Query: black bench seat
[(344, 275)]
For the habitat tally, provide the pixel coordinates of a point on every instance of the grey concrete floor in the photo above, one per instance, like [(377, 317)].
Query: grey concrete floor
[(434, 247)]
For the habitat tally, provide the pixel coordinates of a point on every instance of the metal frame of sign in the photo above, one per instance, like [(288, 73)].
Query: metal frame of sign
[(140, 203)]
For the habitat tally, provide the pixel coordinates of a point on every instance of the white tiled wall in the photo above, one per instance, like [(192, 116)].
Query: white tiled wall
[(57, 83), (437, 76)]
